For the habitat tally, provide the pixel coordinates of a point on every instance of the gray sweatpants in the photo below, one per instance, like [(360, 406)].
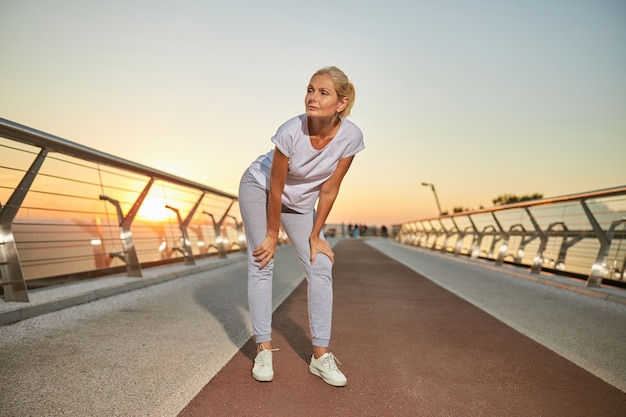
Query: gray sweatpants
[(253, 207)]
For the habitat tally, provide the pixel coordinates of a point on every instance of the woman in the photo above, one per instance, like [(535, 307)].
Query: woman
[(312, 154)]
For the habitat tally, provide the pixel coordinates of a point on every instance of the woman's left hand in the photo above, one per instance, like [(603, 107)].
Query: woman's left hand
[(320, 246)]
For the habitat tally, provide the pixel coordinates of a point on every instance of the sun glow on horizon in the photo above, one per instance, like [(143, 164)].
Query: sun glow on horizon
[(153, 209)]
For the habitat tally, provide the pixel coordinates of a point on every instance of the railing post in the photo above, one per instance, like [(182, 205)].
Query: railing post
[(219, 239), (217, 226), (493, 240), (426, 236), (184, 238), (133, 268), (504, 246), (11, 273), (241, 237), (431, 231), (445, 240), (203, 248), (407, 234), (182, 226), (412, 234), (523, 241), (475, 246), (13, 282), (599, 268), (458, 247), (423, 236), (565, 245), (539, 256)]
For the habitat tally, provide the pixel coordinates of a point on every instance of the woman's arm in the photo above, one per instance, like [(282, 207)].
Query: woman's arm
[(328, 195), (278, 175)]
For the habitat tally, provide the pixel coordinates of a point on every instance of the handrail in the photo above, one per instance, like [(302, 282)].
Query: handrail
[(30, 136), (61, 224), (605, 192), (591, 234)]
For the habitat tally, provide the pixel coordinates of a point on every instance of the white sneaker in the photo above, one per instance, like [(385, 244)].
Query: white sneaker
[(263, 369), (326, 368)]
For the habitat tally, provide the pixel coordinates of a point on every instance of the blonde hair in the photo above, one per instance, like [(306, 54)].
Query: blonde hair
[(343, 86)]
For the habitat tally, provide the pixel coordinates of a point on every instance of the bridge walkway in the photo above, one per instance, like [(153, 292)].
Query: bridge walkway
[(418, 333)]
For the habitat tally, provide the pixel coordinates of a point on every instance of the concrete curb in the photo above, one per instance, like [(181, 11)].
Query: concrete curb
[(604, 293), (48, 300)]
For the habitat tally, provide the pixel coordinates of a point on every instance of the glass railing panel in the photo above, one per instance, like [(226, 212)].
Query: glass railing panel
[(569, 234), (75, 217)]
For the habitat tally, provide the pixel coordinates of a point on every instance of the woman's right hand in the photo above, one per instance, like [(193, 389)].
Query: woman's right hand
[(266, 250)]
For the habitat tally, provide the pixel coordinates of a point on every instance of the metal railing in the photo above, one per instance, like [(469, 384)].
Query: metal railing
[(67, 210), (581, 235)]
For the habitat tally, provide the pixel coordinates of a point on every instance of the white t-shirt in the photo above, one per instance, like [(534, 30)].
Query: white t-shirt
[(309, 168)]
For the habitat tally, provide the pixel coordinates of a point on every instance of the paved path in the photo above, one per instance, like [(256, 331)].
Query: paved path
[(579, 324), (408, 346), (146, 352)]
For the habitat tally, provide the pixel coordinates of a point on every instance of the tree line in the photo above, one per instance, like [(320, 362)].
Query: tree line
[(502, 200)]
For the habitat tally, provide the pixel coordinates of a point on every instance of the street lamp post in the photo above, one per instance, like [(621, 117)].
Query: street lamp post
[(432, 187)]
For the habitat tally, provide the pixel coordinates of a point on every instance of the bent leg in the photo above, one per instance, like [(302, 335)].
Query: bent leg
[(319, 276)]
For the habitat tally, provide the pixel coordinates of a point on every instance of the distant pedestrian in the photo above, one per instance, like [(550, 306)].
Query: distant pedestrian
[(312, 154)]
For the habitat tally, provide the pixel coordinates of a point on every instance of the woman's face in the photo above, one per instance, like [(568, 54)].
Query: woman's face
[(321, 99)]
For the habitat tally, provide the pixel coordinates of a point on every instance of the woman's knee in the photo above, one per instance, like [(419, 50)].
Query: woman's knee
[(322, 268)]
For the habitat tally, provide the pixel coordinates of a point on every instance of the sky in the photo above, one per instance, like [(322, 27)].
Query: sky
[(480, 98)]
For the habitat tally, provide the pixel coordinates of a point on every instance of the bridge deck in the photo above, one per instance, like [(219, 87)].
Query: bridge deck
[(408, 346)]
